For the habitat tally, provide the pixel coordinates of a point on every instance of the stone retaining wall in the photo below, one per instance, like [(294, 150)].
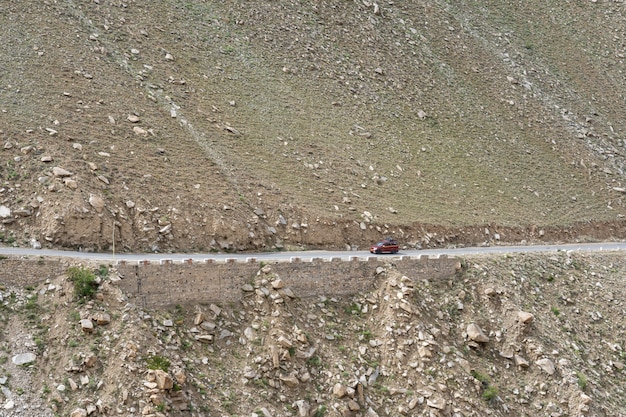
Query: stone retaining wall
[(31, 271), (167, 283)]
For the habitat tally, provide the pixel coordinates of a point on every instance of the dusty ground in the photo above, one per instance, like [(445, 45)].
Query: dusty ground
[(553, 329), (206, 126), (188, 126)]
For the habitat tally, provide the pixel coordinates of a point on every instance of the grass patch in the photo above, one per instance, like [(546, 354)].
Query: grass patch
[(321, 411), (85, 285), (158, 362), (489, 392), (581, 380)]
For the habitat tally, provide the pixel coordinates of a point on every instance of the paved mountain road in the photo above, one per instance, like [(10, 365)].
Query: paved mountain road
[(282, 256)]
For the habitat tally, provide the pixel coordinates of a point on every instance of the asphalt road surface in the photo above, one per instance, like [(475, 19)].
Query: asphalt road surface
[(304, 255)]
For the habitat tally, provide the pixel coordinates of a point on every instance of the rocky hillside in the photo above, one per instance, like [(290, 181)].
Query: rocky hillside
[(522, 335), (177, 125)]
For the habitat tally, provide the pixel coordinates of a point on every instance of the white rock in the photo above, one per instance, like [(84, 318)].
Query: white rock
[(476, 334), (525, 317), (96, 202), (5, 212), (24, 358), (60, 172), (79, 412), (86, 325), (139, 131), (546, 365)]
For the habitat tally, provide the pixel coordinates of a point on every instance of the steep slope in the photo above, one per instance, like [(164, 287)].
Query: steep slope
[(191, 126), (529, 335)]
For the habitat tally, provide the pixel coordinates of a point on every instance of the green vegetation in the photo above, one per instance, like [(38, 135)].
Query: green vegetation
[(85, 285), (353, 308), (314, 361), (582, 380), (321, 411), (489, 392), (366, 335), (103, 271), (157, 362)]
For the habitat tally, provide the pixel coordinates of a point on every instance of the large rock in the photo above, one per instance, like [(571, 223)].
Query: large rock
[(476, 334), (546, 365), (163, 379), (525, 317), (96, 202), (24, 358)]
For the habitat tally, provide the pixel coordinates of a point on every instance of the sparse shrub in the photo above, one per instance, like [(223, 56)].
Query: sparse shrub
[(103, 271), (481, 377), (314, 361), (157, 362), (582, 380), (85, 285), (490, 393), (366, 335), (40, 344), (555, 311), (353, 308), (321, 411)]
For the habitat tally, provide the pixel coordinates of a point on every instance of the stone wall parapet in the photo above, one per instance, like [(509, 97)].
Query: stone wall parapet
[(168, 282)]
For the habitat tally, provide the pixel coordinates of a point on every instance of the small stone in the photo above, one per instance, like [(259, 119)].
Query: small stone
[(5, 212), (520, 361), (79, 412), (163, 379), (546, 365), (339, 390), (139, 131), (60, 172), (102, 319), (525, 317), (96, 202), (86, 325)]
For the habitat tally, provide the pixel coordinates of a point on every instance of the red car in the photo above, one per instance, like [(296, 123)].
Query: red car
[(388, 245)]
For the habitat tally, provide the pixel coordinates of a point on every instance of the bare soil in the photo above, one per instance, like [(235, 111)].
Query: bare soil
[(194, 126)]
